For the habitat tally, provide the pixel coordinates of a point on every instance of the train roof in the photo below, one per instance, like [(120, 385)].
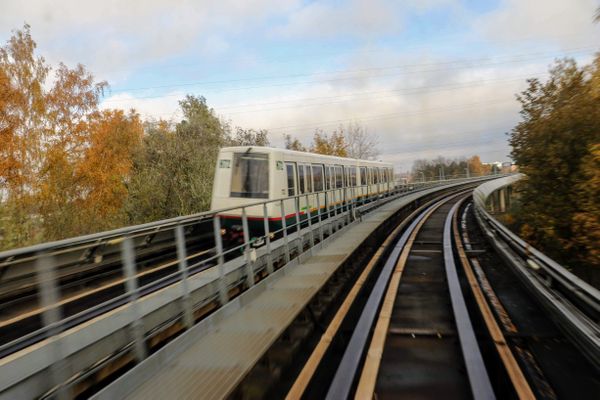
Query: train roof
[(302, 153)]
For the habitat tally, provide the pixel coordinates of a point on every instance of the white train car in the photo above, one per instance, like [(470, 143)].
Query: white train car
[(251, 174)]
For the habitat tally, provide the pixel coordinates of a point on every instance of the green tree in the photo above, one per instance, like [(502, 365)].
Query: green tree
[(173, 171), (250, 137)]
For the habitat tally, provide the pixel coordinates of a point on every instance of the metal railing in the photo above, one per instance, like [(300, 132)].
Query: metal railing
[(125, 261), (574, 303)]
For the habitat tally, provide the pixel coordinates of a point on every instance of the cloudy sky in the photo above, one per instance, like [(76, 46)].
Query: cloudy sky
[(428, 77)]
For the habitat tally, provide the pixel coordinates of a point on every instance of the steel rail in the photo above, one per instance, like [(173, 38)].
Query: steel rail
[(479, 380), (349, 366), (368, 379), (514, 371), (310, 367)]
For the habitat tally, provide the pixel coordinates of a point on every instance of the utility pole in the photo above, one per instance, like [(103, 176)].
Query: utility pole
[(468, 173)]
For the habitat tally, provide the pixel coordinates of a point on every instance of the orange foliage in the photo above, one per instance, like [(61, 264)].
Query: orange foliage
[(334, 145), (63, 162), (113, 138)]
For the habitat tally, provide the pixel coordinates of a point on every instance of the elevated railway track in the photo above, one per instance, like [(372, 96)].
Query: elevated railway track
[(401, 285)]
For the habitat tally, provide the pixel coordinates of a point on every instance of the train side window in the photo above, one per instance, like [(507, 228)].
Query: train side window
[(327, 178), (291, 179), (353, 176), (309, 179), (363, 176), (317, 172), (339, 180), (301, 177)]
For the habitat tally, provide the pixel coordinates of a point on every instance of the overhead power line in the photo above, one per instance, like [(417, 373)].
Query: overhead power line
[(393, 115), (390, 94), (452, 65)]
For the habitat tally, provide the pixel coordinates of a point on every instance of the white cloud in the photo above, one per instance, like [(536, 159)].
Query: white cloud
[(356, 18), (163, 107), (567, 23), (461, 112), (359, 18), (113, 36), (418, 112)]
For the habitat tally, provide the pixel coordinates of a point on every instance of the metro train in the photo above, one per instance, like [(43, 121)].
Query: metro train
[(250, 174)]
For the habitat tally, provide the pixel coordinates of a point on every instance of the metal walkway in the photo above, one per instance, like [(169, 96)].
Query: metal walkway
[(212, 358)]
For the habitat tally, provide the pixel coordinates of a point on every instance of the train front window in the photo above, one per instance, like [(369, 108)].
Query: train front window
[(250, 175)]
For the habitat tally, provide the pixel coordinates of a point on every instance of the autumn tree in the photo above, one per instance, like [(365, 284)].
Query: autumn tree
[(333, 145), (476, 167), (22, 109), (58, 178), (359, 142), (586, 221), (105, 168), (554, 145), (448, 168), (353, 140), (292, 143)]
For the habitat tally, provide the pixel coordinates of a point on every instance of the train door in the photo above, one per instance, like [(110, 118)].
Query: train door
[(292, 190)]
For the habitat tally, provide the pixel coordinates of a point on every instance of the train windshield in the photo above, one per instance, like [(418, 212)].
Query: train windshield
[(250, 175)]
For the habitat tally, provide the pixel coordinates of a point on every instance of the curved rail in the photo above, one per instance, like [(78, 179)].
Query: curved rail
[(385, 286), (574, 303)]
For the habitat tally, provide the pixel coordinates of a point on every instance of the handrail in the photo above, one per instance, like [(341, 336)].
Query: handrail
[(574, 301), (156, 225)]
